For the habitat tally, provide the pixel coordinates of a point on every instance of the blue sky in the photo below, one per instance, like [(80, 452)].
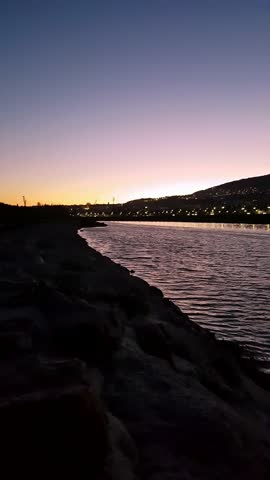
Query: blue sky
[(131, 98)]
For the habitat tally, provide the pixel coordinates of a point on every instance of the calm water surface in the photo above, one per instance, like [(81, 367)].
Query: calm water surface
[(217, 273)]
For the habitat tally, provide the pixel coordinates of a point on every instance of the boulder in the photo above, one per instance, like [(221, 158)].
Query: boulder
[(57, 435)]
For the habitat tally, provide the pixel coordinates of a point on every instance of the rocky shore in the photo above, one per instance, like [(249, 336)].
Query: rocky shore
[(104, 378)]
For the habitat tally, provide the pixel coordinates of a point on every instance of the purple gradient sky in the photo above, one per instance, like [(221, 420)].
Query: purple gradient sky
[(125, 99)]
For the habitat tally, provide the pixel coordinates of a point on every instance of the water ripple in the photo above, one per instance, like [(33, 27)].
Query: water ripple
[(219, 276)]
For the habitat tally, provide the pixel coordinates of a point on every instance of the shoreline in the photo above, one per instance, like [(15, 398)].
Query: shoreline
[(247, 220), (177, 403), (248, 226)]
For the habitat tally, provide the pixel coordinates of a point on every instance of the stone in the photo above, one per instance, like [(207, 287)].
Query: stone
[(54, 435)]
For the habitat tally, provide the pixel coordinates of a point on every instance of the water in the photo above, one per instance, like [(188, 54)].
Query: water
[(217, 273)]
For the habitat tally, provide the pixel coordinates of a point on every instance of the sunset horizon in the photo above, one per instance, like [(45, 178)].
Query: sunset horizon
[(133, 100), (114, 199)]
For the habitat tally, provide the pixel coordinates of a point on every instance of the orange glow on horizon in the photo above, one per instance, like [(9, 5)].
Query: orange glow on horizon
[(140, 101), (64, 197)]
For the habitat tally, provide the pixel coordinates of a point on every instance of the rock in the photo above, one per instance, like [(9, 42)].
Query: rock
[(78, 329), (49, 299), (19, 323), (122, 439), (93, 335), (155, 291), (31, 373), (56, 435), (123, 458), (134, 304), (152, 340), (14, 345)]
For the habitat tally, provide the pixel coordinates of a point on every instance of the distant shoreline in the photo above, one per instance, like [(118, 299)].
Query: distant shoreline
[(248, 220)]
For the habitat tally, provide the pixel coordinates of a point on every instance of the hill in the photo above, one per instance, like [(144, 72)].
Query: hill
[(239, 198), (245, 187), (248, 189)]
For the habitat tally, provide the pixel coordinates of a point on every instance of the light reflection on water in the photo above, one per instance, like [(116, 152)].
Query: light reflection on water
[(217, 273)]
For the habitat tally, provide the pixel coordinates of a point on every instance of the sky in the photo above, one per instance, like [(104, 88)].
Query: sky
[(131, 98)]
